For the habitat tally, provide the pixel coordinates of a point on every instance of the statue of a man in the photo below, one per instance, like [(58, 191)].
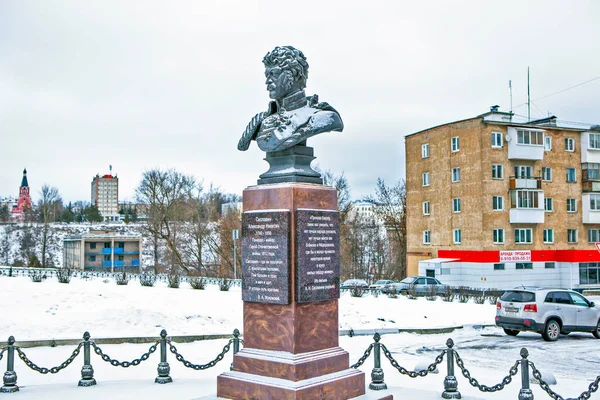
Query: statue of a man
[(292, 117)]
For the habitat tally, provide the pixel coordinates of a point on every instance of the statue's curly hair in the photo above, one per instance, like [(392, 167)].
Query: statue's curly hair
[(290, 59)]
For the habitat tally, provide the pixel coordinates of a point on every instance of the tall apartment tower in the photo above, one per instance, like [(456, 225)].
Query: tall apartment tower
[(498, 201), (105, 196)]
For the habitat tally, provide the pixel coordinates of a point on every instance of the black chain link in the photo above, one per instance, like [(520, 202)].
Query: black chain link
[(364, 357), (475, 383), (124, 364), (199, 367), (43, 370), (413, 374), (593, 387)]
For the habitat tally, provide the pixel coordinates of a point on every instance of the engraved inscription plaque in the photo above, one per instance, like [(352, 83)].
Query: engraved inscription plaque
[(317, 255), (265, 256)]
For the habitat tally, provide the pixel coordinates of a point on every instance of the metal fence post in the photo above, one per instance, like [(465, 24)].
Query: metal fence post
[(163, 366), (10, 376), (450, 382), (377, 382), (236, 345), (525, 393), (87, 372)]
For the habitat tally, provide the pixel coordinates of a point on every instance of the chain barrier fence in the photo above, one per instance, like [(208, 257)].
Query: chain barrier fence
[(87, 371), (450, 381)]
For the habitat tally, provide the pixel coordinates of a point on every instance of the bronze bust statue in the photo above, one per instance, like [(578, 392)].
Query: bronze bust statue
[(291, 117)]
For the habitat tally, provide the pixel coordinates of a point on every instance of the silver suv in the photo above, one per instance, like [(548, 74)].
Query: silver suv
[(547, 311)]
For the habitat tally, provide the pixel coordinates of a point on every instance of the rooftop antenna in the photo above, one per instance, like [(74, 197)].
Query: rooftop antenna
[(528, 98), (110, 168), (510, 89)]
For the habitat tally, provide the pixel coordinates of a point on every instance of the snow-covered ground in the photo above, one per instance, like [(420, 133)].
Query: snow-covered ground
[(51, 310)]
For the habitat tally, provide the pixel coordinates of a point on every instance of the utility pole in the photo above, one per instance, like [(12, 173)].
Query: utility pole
[(528, 98)]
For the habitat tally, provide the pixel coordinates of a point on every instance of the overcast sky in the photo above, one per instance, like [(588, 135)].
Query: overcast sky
[(172, 84)]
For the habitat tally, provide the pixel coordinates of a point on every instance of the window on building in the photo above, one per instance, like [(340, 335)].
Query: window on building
[(455, 143), (457, 236), (523, 171), (106, 257), (571, 175), (593, 235), (523, 235), (497, 171), (548, 204), (92, 245), (425, 150), (549, 235), (547, 174), (549, 265), (589, 273), (456, 205), (547, 143), (530, 137), (569, 144), (524, 199), (526, 265), (120, 258), (121, 245), (571, 205), (426, 179), (455, 174), (107, 245), (594, 141), (590, 171), (497, 203), (496, 139), (426, 237), (425, 208), (498, 236), (594, 202), (572, 235), (498, 267), (92, 258)]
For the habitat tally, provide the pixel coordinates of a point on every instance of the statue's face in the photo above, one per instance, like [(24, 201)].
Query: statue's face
[(279, 83)]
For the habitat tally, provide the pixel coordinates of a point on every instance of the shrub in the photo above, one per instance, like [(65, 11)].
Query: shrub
[(431, 292), (411, 292), (448, 294), (478, 295), (173, 280), (392, 293), (122, 279), (64, 275), (493, 296), (148, 279), (197, 283), (463, 294), (37, 276), (225, 284), (357, 291)]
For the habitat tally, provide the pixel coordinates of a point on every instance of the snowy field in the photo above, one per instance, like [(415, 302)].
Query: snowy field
[(51, 310)]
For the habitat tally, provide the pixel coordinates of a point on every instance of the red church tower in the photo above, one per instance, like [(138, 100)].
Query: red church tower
[(24, 201)]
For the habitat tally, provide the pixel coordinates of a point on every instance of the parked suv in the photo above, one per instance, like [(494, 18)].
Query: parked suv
[(547, 311)]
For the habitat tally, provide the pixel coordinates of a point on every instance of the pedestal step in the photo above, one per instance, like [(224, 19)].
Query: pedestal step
[(345, 384)]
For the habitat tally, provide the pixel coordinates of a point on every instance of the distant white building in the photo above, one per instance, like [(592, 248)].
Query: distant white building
[(233, 207), (105, 196)]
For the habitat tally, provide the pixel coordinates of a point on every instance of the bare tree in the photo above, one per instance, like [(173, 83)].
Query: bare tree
[(168, 196), (391, 209), (49, 206)]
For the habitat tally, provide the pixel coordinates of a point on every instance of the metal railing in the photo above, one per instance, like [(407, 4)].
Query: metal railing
[(87, 371), (450, 381)]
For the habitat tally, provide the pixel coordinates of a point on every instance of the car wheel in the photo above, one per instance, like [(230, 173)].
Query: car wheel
[(596, 333), (511, 332), (551, 331)]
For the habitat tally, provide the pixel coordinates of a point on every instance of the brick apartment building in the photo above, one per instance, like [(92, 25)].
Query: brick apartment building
[(499, 201), (105, 196)]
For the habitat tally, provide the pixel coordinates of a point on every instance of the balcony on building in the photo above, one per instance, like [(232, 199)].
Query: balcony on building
[(526, 206), (529, 182), (590, 147), (525, 143), (590, 177), (590, 207)]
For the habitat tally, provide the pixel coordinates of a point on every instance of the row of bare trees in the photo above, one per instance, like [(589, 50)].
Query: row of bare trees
[(184, 219)]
